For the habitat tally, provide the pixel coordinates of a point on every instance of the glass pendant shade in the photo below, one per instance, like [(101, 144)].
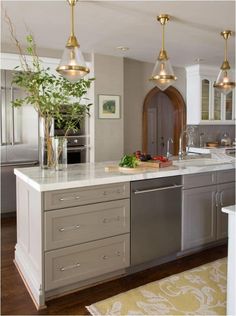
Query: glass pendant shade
[(72, 65), (225, 82), (163, 74)]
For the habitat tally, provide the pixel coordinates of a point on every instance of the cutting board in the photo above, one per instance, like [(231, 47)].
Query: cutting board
[(142, 167), (166, 164), (156, 163)]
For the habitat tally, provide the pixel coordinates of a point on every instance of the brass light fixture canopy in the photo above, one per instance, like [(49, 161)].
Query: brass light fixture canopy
[(225, 82), (72, 65), (163, 74)]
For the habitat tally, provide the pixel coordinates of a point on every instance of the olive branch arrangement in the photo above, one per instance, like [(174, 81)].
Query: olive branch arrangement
[(47, 93)]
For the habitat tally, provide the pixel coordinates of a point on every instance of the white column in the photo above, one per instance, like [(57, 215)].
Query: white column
[(231, 273)]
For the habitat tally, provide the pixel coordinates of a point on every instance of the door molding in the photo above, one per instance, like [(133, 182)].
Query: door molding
[(179, 115)]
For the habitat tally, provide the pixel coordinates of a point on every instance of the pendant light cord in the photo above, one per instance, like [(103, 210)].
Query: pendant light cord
[(226, 50), (72, 19), (163, 37)]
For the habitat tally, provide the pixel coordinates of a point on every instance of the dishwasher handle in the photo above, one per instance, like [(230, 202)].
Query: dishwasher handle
[(170, 187)]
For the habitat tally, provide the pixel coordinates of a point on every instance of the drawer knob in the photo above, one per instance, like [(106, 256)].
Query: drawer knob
[(118, 253), (105, 257), (74, 266), (62, 229), (69, 199)]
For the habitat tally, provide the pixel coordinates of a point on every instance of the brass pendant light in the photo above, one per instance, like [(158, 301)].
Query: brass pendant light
[(163, 74), (225, 82), (72, 65)]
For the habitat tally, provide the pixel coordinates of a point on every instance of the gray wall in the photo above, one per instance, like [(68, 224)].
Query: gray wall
[(136, 87), (109, 133)]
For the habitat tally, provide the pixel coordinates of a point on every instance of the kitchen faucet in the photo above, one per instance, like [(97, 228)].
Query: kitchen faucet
[(168, 147), (181, 153)]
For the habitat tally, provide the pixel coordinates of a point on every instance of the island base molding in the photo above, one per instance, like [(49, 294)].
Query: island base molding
[(24, 270)]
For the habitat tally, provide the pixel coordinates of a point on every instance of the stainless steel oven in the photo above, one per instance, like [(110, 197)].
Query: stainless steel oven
[(77, 142), (77, 149)]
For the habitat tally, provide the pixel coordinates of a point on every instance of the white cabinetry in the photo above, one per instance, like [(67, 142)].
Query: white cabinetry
[(206, 105)]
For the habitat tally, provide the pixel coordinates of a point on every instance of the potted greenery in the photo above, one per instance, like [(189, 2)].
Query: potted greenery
[(48, 93)]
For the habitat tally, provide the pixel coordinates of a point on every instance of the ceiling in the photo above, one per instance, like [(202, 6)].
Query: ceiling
[(101, 26)]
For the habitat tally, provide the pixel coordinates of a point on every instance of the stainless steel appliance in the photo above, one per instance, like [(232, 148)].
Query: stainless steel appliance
[(18, 139), (77, 142), (155, 219), (77, 149)]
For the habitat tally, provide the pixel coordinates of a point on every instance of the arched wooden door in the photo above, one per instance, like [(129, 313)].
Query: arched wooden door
[(179, 115)]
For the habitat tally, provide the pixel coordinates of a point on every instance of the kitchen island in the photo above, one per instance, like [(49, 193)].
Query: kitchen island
[(73, 226)]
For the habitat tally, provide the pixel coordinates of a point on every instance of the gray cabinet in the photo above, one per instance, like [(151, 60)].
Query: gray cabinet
[(198, 216), (82, 262), (76, 225), (86, 233), (226, 197), (69, 239), (203, 197)]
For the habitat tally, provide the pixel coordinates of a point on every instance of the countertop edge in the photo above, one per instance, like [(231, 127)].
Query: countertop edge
[(114, 178), (229, 209)]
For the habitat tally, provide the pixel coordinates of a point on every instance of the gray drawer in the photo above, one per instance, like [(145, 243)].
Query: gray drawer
[(88, 195), (225, 176), (73, 264), (199, 180), (71, 226)]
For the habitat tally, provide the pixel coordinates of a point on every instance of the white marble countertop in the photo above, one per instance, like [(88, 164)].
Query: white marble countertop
[(88, 174), (229, 209)]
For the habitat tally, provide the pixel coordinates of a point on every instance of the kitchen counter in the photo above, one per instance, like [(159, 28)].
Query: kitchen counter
[(88, 174)]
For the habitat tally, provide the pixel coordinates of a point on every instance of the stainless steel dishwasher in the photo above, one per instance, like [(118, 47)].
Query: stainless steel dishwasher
[(155, 218)]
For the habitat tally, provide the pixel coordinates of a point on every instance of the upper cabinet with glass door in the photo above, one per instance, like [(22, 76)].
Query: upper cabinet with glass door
[(206, 105)]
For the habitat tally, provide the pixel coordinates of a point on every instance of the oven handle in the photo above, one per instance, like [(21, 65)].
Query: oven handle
[(174, 186), (71, 149)]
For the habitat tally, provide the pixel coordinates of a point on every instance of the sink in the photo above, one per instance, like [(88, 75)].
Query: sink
[(201, 162)]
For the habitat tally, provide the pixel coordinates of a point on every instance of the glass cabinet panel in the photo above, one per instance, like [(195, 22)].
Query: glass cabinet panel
[(205, 99), (229, 106), (217, 105)]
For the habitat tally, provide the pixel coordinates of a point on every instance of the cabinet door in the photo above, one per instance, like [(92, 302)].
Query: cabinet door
[(217, 111), (226, 198), (205, 111), (228, 106), (198, 217)]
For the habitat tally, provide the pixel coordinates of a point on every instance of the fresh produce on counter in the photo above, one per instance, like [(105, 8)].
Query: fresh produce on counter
[(128, 161), (160, 158), (146, 157)]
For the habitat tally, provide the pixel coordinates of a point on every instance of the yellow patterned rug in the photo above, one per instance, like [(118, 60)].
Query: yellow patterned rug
[(200, 291)]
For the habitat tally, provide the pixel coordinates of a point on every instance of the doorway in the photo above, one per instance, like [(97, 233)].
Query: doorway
[(164, 117)]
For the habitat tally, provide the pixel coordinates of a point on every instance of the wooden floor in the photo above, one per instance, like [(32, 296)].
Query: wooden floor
[(15, 299)]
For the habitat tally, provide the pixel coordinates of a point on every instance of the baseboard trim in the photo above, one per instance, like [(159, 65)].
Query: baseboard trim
[(39, 307)]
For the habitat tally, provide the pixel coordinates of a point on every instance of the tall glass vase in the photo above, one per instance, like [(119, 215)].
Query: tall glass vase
[(46, 131), (59, 145)]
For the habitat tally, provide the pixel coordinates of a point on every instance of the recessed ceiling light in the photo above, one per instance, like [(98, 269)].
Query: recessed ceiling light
[(199, 60), (122, 48)]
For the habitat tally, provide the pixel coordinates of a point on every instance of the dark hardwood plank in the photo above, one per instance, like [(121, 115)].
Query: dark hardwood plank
[(15, 299)]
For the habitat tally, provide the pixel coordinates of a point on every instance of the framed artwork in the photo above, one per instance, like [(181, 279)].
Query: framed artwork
[(108, 106)]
